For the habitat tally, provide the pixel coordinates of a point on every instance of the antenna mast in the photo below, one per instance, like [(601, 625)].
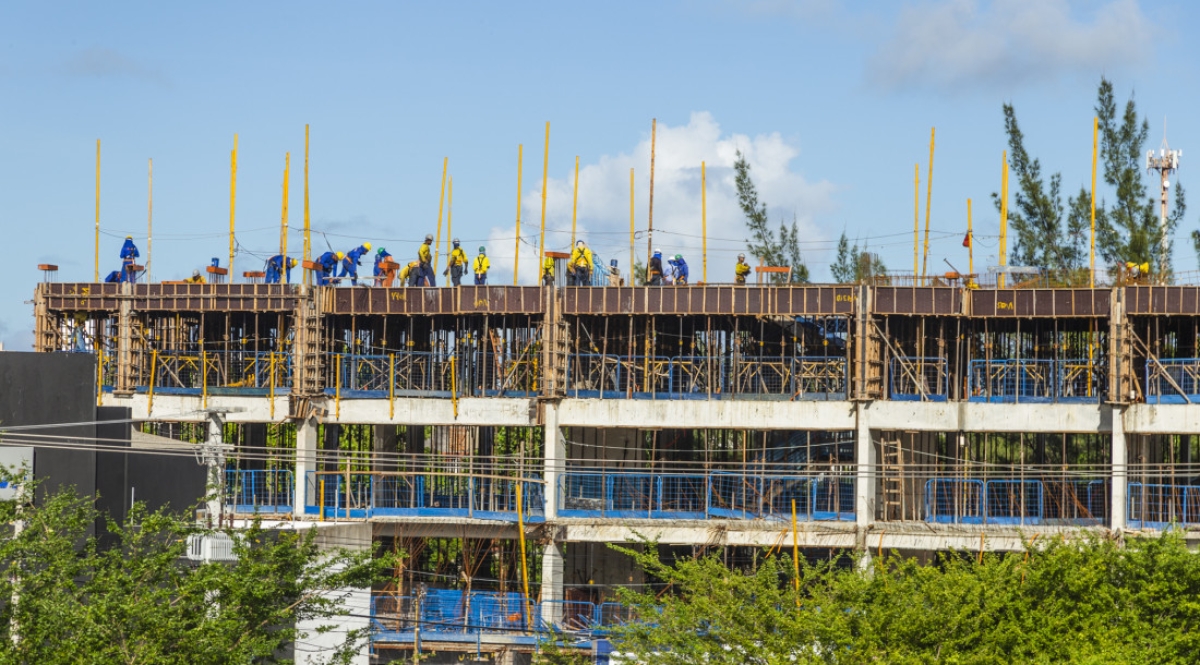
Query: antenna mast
[(1166, 163)]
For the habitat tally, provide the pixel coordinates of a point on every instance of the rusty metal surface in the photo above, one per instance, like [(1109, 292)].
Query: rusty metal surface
[(752, 300), (1040, 302), (1162, 300), (917, 300), (433, 300), (172, 297)]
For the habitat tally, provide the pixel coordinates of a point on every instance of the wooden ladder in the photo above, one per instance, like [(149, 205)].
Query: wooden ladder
[(892, 469)]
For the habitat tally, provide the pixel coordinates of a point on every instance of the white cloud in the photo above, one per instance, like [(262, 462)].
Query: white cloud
[(965, 43), (105, 63), (603, 218)]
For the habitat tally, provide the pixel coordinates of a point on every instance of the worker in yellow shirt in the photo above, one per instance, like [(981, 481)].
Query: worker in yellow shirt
[(456, 265), (481, 266), (741, 270), (425, 258), (196, 278), (548, 271), (579, 268), (410, 274)]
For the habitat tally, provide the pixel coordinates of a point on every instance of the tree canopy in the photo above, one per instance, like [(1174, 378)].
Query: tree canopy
[(775, 250), (1091, 601), (852, 265), (67, 600)]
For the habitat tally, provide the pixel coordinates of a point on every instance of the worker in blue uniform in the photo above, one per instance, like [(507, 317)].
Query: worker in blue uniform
[(379, 273), (276, 270), (328, 262), (129, 255), (681, 270), (353, 260)]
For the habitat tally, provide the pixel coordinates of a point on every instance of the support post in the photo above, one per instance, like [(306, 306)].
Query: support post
[(306, 460), (214, 458), (865, 460), (552, 583), (1120, 471), (517, 250), (556, 458)]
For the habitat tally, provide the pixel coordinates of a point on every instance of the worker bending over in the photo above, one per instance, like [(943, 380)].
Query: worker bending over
[(276, 269), (579, 268), (328, 262), (425, 259), (410, 274), (654, 275), (740, 270), (352, 261), (680, 269), (129, 255), (380, 272), (481, 266), (547, 271), (456, 265)]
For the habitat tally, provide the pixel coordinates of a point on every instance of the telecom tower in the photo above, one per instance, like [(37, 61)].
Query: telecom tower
[(1165, 163)]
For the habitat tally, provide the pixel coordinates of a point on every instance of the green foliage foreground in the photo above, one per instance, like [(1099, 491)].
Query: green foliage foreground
[(64, 599), (1089, 601)]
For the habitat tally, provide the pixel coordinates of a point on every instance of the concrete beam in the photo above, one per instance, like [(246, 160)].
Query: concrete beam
[(1162, 419), (477, 411), (731, 414), (1031, 418)]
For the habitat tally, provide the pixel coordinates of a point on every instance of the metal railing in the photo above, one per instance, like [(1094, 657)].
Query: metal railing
[(1173, 381), (919, 378), (1159, 506), (421, 494), (706, 377), (1016, 501), (260, 491), (434, 373), (1035, 381), (716, 495), (190, 372)]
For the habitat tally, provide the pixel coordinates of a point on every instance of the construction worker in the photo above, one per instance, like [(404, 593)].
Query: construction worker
[(580, 265), (410, 274), (277, 271), (481, 266), (129, 255), (425, 258), (329, 263), (680, 269), (456, 265), (352, 261), (740, 270), (654, 276), (548, 271), (614, 274), (196, 278), (381, 257)]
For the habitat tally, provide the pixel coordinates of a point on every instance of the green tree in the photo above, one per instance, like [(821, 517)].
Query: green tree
[(775, 250), (139, 601), (851, 265), (1128, 230), (1037, 215)]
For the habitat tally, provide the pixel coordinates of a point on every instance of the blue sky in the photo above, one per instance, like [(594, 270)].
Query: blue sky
[(832, 102)]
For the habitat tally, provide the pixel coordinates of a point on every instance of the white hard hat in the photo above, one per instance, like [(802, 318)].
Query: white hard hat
[(196, 273)]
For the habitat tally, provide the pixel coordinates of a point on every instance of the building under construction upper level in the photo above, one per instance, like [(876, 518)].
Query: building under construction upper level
[(502, 436)]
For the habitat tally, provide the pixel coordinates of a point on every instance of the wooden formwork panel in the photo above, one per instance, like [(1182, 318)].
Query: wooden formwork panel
[(172, 297), (917, 300), (501, 299), (752, 300), (1162, 300), (433, 300), (1040, 302)]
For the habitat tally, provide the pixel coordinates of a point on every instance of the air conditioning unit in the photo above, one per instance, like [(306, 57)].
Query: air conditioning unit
[(207, 547)]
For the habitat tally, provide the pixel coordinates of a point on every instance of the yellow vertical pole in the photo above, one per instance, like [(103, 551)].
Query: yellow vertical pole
[(204, 377), (545, 172), (322, 500), (916, 218), (437, 242), (524, 569), (307, 255), (283, 220), (97, 276), (704, 221), (153, 373), (631, 280), (150, 221), (449, 219), (517, 251), (271, 369), (1095, 149), (1003, 218), (575, 201), (99, 376), (337, 393), (391, 386), (970, 243), (650, 213), (232, 200), (795, 553), (928, 201)]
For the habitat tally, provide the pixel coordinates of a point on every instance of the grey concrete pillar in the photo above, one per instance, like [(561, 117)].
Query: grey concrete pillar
[(306, 461), (254, 444), (865, 478), (552, 583), (383, 447), (1120, 472), (556, 459), (329, 446)]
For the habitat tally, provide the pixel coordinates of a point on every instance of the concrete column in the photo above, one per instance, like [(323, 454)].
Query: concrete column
[(864, 457), (556, 459), (353, 602), (306, 460), (215, 459), (552, 582), (329, 445), (384, 447), (1120, 471), (254, 443)]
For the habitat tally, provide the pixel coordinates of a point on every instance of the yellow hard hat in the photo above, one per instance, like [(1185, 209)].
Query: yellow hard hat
[(367, 245), (341, 256)]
